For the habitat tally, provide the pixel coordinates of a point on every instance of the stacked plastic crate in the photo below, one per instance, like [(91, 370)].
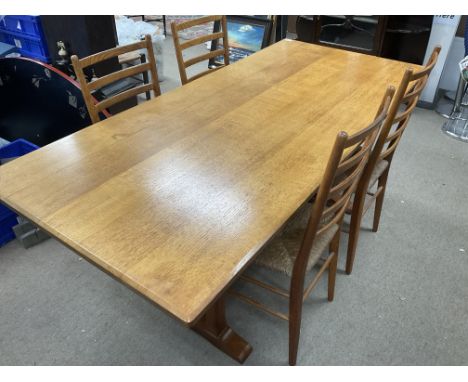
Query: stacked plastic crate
[(8, 218), (26, 33)]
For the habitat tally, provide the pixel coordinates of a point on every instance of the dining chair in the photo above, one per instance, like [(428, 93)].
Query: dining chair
[(87, 87), (378, 166), (180, 47), (302, 241)]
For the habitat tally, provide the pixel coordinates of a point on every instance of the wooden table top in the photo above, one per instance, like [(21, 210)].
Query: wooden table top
[(174, 197)]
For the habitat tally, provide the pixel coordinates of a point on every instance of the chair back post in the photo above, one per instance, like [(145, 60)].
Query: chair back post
[(89, 99), (225, 40), (152, 59), (180, 59)]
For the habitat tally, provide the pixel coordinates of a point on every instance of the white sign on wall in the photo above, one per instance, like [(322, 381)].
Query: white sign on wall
[(446, 19), (443, 31)]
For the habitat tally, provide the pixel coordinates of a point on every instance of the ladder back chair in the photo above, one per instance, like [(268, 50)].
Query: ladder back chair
[(302, 241), (94, 108), (377, 169), (180, 47)]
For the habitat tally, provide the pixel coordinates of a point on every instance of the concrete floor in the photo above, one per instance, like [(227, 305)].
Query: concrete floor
[(405, 303)]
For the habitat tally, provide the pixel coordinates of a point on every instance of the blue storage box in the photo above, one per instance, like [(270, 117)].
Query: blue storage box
[(16, 149), (8, 218), (29, 25), (27, 46), (25, 32)]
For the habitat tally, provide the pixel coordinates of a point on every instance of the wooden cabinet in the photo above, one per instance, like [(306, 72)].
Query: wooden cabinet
[(357, 33), (83, 36), (402, 38)]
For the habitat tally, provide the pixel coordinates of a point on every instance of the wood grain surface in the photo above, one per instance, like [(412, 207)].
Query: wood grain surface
[(175, 196)]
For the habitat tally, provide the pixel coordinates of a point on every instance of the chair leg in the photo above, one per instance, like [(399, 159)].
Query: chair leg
[(295, 317), (354, 229), (294, 332), (334, 248), (379, 201)]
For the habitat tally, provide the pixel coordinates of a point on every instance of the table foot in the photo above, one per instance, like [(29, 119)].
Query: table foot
[(213, 326)]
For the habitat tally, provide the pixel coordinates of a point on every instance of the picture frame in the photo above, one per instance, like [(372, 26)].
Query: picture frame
[(246, 35)]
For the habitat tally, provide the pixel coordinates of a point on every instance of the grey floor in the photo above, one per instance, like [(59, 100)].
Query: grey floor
[(406, 302)]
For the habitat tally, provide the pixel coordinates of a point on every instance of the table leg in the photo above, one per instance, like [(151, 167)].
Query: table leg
[(214, 327)]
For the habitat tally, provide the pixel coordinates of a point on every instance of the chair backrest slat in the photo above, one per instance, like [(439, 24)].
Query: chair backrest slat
[(94, 107), (205, 72), (414, 91), (350, 161), (111, 53), (405, 114), (201, 40), (340, 210), (329, 214), (198, 21), (121, 74), (108, 102), (179, 46), (203, 57)]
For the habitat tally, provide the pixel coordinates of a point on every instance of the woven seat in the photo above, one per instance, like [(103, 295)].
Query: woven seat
[(280, 254), (378, 170)]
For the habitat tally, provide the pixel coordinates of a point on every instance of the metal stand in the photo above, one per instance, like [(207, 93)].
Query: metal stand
[(454, 110), (457, 124)]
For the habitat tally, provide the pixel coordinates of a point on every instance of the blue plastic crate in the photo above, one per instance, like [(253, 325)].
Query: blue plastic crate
[(24, 24), (7, 222), (8, 218), (4, 37), (27, 46), (16, 148), (25, 32)]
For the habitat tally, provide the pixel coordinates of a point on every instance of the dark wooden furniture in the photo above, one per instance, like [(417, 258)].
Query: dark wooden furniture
[(378, 167), (181, 46), (83, 36), (38, 102), (94, 108), (401, 38), (358, 33), (406, 38)]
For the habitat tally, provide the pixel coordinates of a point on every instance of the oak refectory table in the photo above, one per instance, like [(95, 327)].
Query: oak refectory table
[(175, 197)]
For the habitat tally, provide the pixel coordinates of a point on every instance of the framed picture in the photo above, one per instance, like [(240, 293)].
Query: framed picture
[(246, 35)]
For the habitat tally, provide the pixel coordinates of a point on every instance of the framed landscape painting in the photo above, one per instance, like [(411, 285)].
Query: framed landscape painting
[(246, 35)]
